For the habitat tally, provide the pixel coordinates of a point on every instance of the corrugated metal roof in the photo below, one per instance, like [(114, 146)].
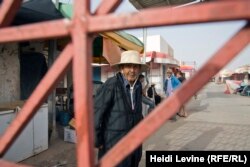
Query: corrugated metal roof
[(140, 4), (32, 11)]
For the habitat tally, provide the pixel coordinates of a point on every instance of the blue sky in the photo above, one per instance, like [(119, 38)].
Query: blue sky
[(194, 42)]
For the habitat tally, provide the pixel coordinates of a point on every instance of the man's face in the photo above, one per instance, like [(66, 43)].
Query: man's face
[(130, 72), (178, 75), (169, 73), (142, 80)]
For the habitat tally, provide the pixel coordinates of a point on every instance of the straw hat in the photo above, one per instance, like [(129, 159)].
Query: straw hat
[(131, 57)]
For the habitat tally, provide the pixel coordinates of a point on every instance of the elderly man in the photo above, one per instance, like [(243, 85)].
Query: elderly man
[(171, 83), (118, 106)]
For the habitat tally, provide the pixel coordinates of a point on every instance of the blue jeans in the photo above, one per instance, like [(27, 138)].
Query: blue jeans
[(148, 102)]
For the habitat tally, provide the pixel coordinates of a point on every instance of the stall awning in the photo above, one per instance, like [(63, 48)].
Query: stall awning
[(243, 69), (159, 57), (120, 38), (226, 73), (141, 4), (187, 68), (124, 40), (32, 11), (112, 42)]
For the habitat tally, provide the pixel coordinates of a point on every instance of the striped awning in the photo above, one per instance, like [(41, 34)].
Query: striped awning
[(160, 57), (186, 68)]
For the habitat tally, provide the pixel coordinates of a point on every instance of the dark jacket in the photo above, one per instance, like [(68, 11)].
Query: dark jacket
[(114, 116), (181, 79), (151, 91)]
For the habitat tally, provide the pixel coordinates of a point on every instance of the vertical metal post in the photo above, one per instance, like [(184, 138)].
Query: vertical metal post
[(52, 96), (145, 44), (82, 80), (83, 108)]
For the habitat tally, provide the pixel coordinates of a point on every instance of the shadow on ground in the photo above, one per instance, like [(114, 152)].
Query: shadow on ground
[(201, 142), (218, 95)]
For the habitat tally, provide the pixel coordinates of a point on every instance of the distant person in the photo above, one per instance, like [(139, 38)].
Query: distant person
[(153, 94), (181, 77), (243, 84), (240, 89), (246, 89), (171, 83), (145, 99), (118, 107)]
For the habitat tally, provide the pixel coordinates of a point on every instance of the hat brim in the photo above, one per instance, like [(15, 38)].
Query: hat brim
[(144, 67)]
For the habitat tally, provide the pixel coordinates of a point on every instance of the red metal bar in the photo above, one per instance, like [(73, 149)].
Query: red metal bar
[(47, 84), (171, 105), (44, 30), (107, 6), (83, 98), (81, 8), (205, 12), (214, 11), (8, 10), (82, 77), (9, 164)]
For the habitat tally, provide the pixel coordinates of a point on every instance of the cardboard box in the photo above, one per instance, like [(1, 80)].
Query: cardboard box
[(72, 123), (69, 135)]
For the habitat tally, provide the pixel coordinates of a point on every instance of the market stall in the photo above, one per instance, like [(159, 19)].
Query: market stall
[(33, 139)]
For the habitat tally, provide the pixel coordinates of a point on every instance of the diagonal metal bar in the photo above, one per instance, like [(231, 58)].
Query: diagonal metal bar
[(81, 8), (44, 30), (82, 77), (46, 85), (8, 10), (171, 105), (205, 12), (107, 6), (9, 164)]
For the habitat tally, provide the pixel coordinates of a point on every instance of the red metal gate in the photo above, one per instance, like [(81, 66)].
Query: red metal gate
[(81, 28)]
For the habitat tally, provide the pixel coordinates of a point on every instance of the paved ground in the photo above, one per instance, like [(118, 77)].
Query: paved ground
[(216, 121)]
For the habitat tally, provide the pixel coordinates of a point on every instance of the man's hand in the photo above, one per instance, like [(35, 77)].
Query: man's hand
[(100, 147)]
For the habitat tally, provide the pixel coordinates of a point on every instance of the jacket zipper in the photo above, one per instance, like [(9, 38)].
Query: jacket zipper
[(131, 94)]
